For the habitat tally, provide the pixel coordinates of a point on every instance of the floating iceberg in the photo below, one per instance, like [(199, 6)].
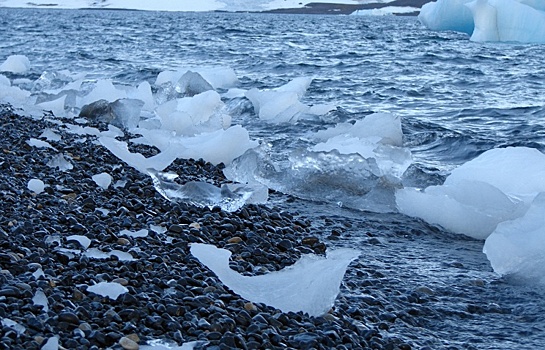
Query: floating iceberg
[(517, 248), (283, 105), (311, 285), (488, 20), (496, 186), (111, 290)]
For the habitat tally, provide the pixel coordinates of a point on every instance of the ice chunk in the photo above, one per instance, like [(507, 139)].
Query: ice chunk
[(50, 135), (227, 197), (103, 180), (41, 299), (447, 15), (82, 240), (51, 344), (36, 185), (15, 64), (192, 84), (220, 146), (38, 273), (473, 208), (135, 234), (280, 105), (111, 290), (217, 77), (488, 20), (55, 106), (20, 329), (137, 160), (161, 344), (123, 113), (39, 143), (496, 186), (517, 248), (58, 161), (311, 285), (94, 253), (103, 90), (159, 229), (4, 81)]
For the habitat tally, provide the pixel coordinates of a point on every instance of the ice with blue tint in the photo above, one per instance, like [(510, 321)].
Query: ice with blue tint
[(497, 186), (15, 64), (517, 248), (488, 20), (110, 290), (311, 285)]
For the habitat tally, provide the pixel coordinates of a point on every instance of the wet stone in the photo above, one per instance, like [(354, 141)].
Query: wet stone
[(68, 317)]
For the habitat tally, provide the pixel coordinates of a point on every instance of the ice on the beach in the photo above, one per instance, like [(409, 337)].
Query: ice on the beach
[(41, 299), (54, 106), (135, 234), (123, 113), (220, 146), (136, 160), (103, 89), (15, 64), (103, 180), (283, 105), (496, 186), (517, 248), (4, 81), (192, 83), (229, 197), (51, 344), (50, 135), (311, 285), (36, 185), (95, 253), (84, 241), (60, 162), (38, 273), (20, 329), (488, 20), (161, 344), (110, 290), (39, 143)]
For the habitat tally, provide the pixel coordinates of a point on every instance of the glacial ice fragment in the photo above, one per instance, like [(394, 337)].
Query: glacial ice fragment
[(488, 20), (51, 344), (15, 64), (202, 194), (20, 329), (95, 253), (82, 240), (517, 247), (123, 113), (50, 135), (311, 285), (58, 161), (192, 83), (135, 234), (160, 344), (41, 299), (111, 290), (102, 180), (496, 186), (39, 143), (36, 185)]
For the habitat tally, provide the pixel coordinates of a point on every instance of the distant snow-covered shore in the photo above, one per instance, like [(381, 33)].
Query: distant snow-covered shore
[(282, 6)]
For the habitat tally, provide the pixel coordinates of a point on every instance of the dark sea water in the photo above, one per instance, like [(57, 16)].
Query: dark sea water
[(456, 99)]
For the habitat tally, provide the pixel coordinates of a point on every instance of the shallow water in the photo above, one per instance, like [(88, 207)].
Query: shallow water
[(456, 99)]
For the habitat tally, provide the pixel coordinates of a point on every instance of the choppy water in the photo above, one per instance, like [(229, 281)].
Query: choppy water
[(456, 99)]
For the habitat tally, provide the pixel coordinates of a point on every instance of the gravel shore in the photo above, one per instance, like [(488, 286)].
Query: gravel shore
[(171, 296)]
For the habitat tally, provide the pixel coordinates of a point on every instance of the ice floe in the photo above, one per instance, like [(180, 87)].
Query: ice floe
[(311, 285)]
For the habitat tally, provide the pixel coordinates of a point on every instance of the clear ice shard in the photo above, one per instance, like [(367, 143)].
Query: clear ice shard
[(110, 290), (102, 180), (229, 197), (60, 162), (311, 285)]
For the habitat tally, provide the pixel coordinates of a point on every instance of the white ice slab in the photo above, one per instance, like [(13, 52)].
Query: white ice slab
[(110, 290)]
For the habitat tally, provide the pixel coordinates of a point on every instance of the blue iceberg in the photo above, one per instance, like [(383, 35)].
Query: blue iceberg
[(488, 20)]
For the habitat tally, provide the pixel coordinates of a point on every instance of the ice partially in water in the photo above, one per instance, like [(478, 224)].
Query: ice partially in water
[(110, 290), (311, 285), (517, 248), (15, 64)]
